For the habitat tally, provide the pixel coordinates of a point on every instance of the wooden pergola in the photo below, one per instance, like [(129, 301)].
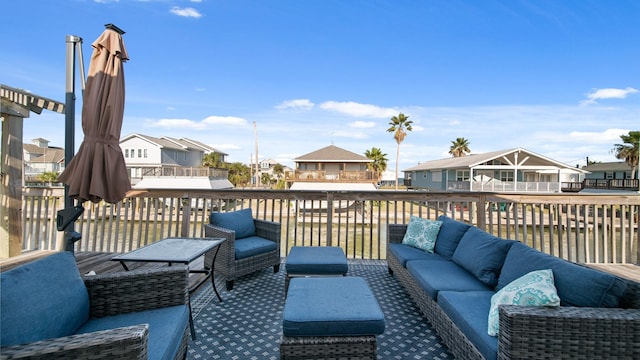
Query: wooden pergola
[(17, 104)]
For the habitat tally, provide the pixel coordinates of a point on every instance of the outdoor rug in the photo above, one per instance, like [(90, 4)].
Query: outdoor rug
[(247, 324)]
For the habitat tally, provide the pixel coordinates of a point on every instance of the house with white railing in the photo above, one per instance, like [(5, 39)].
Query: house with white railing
[(512, 170)]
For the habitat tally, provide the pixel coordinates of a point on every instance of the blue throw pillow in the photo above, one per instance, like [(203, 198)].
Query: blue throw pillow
[(421, 233), (240, 221), (482, 254), (449, 236)]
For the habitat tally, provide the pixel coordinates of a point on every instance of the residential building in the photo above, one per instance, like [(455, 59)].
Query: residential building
[(39, 157), (332, 168), (266, 167), (512, 170), (167, 162), (614, 176)]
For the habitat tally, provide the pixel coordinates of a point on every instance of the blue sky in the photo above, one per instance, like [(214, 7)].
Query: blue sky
[(559, 78)]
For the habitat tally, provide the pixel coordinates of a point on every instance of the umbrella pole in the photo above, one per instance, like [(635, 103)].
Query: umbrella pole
[(73, 43)]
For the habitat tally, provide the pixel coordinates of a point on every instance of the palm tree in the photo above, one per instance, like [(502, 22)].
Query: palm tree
[(459, 147), (239, 174), (628, 150), (379, 163), (278, 171), (212, 160), (49, 177), (399, 126)]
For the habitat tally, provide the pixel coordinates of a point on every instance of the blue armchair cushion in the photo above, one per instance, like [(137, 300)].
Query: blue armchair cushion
[(164, 334), (331, 306), (51, 286), (577, 285), (406, 253), (435, 276), (482, 254), (240, 221), (451, 231), (468, 310), (252, 246)]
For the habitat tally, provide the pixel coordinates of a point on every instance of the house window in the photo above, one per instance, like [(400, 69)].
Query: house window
[(145, 153), (506, 175), (126, 153), (436, 176), (139, 153), (133, 153), (462, 175)]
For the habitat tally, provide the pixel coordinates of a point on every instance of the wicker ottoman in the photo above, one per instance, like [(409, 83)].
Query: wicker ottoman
[(307, 261), (329, 318)]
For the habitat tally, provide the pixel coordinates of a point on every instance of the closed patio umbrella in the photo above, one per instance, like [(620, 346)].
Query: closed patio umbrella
[(98, 172)]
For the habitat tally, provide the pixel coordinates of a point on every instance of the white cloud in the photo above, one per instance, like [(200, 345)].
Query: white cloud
[(185, 12), (176, 123), (358, 110), (362, 124), (225, 120), (303, 104), (608, 136), (349, 134), (608, 93), (225, 147)]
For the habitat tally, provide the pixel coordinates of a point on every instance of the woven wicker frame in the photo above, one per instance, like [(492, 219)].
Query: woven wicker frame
[(113, 294), (537, 332), (328, 347), (226, 264)]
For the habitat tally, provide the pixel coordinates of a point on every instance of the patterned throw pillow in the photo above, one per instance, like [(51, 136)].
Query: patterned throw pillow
[(533, 289), (422, 233)]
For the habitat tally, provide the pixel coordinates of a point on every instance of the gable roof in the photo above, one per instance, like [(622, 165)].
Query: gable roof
[(608, 166), (332, 153), (509, 156), (167, 142)]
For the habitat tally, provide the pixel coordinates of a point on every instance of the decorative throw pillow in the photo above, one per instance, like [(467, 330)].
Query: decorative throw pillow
[(422, 233), (533, 289)]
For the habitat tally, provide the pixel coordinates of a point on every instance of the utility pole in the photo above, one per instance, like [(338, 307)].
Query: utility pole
[(255, 132)]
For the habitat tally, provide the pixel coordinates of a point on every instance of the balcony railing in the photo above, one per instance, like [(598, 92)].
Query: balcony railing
[(332, 176), (580, 228)]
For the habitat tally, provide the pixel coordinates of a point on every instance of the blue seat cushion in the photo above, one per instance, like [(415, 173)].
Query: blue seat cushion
[(406, 253), (451, 231), (331, 306), (316, 260), (252, 246), (470, 312), (166, 328), (42, 299), (576, 285), (436, 276), (240, 221), (482, 254)]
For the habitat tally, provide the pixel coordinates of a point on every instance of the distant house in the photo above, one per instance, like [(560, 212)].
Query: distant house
[(332, 168), (266, 167), (513, 170), (164, 157), (608, 170), (609, 176), (39, 157)]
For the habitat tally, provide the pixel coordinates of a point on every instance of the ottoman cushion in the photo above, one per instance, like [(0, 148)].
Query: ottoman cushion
[(327, 307), (316, 260)]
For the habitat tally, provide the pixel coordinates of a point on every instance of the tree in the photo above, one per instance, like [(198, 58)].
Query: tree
[(380, 160), (278, 171), (239, 174), (212, 160), (266, 179), (400, 124), (628, 150), (459, 147), (48, 176)]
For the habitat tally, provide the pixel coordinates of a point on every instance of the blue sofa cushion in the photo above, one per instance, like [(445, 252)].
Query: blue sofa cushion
[(422, 233), (451, 231), (435, 276), (252, 246), (166, 328), (469, 311), (240, 221), (405, 253), (482, 254), (577, 285), (331, 306), (317, 260), (42, 299)]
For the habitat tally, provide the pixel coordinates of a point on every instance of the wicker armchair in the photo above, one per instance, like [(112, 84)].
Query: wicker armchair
[(226, 263), (113, 294)]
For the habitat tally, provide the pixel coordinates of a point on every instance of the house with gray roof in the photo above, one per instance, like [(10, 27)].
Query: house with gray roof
[(511, 170)]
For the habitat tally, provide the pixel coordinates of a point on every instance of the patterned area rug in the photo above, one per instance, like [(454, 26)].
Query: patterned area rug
[(248, 322)]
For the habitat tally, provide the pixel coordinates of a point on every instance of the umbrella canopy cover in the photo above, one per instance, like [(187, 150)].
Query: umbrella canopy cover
[(98, 171)]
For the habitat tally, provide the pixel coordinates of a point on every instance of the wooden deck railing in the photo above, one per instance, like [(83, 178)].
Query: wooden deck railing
[(580, 228)]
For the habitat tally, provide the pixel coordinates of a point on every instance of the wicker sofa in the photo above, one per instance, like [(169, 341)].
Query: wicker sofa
[(598, 317), (49, 311), (251, 244)]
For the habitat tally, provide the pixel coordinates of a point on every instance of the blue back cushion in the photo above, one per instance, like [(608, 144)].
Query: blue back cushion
[(577, 285), (482, 254), (451, 231), (41, 300), (240, 221)]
